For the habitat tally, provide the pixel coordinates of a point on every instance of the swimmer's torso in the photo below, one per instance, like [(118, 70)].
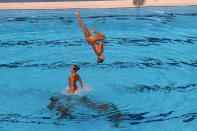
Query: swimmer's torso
[(72, 79), (98, 47)]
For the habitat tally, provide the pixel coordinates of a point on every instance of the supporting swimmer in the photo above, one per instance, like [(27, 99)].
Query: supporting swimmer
[(73, 78), (65, 108)]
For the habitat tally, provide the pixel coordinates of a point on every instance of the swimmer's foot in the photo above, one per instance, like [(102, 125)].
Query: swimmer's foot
[(77, 12)]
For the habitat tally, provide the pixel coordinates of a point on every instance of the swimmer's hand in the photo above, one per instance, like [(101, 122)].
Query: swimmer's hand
[(77, 12), (93, 31)]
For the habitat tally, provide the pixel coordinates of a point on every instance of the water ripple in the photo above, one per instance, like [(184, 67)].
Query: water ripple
[(41, 42), (117, 118), (188, 118), (102, 111), (155, 88), (146, 41), (167, 17), (152, 41), (146, 63), (64, 20)]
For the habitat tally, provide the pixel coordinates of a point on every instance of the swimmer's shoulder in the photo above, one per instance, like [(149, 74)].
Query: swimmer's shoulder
[(71, 77)]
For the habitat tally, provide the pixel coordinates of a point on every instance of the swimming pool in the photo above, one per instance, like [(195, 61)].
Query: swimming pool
[(148, 78)]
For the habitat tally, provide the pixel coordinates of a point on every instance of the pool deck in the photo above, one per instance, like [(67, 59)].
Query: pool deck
[(93, 4)]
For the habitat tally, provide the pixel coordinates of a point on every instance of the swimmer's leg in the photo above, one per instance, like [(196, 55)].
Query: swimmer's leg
[(85, 30)]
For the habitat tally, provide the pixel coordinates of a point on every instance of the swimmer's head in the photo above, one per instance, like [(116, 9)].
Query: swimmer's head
[(100, 59), (74, 68), (53, 99)]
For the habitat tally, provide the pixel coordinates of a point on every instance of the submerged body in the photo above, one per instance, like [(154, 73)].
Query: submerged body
[(66, 107)]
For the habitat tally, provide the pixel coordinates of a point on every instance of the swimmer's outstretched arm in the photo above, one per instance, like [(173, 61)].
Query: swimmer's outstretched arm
[(85, 30), (81, 82)]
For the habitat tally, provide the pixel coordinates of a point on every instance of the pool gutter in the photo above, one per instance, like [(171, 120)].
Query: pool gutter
[(93, 4)]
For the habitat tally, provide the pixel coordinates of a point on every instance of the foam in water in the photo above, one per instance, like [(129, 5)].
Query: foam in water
[(80, 91)]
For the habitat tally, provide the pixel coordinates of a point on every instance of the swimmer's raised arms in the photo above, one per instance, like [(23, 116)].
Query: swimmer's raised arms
[(73, 78), (93, 39)]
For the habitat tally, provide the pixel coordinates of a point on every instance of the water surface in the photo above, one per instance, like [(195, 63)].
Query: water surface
[(147, 82)]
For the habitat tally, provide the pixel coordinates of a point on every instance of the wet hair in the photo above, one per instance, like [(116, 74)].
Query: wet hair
[(76, 68), (100, 60)]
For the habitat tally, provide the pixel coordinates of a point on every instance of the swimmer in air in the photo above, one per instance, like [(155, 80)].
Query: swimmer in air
[(93, 39), (73, 78)]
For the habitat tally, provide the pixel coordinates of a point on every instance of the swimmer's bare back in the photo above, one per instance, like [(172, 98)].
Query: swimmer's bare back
[(72, 79), (72, 82)]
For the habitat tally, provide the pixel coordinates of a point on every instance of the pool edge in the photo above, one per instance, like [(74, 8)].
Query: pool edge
[(90, 4)]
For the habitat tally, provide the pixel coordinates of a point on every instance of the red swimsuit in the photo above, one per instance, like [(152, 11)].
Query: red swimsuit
[(75, 88)]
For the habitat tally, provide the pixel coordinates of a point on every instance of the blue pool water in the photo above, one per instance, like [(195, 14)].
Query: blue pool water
[(147, 82)]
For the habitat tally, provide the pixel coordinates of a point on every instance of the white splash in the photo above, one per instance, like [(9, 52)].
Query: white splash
[(80, 91)]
